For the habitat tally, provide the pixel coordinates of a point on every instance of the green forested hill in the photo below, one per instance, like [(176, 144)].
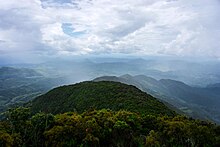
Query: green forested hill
[(85, 95), (132, 120)]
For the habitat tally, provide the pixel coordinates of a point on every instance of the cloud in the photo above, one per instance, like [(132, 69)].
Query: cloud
[(78, 27)]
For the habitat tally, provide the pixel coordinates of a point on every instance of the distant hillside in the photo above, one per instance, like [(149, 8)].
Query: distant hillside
[(19, 85), (197, 102), (113, 95), (217, 85), (10, 72)]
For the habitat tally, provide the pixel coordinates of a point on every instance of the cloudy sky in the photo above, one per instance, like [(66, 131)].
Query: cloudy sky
[(37, 29)]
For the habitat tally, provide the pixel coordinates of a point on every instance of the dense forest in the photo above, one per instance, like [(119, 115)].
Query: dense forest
[(104, 128), (102, 114), (104, 94)]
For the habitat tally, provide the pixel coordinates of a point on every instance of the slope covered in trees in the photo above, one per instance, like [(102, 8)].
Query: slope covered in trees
[(147, 123), (104, 128), (85, 95)]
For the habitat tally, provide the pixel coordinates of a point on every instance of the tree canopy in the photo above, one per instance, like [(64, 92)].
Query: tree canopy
[(104, 128)]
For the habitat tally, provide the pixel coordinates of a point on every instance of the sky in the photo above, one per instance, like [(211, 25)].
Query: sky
[(33, 30)]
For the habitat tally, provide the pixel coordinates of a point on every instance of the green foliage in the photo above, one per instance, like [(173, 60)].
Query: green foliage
[(147, 123), (5, 139), (86, 95), (152, 140), (39, 123), (17, 117), (104, 128)]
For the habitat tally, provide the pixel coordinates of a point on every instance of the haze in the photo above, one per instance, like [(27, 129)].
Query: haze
[(167, 48)]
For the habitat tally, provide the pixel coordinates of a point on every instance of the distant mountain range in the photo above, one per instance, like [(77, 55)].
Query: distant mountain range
[(19, 85), (192, 72), (197, 102)]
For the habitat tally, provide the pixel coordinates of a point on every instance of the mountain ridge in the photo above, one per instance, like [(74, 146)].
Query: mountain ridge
[(89, 94), (196, 102)]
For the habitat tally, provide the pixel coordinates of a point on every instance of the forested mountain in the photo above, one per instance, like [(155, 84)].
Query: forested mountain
[(85, 95), (106, 114), (19, 85), (157, 63), (197, 102)]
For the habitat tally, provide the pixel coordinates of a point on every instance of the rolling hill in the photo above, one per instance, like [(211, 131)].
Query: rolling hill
[(102, 113), (110, 95)]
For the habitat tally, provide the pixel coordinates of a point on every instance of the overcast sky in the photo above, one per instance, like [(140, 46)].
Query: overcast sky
[(37, 29)]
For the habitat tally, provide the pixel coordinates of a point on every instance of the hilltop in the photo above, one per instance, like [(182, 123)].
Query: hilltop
[(98, 95), (102, 113)]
